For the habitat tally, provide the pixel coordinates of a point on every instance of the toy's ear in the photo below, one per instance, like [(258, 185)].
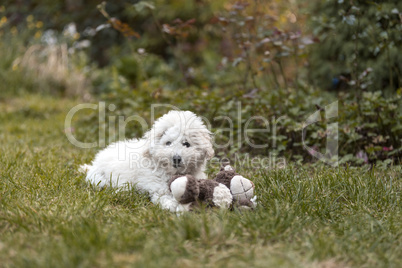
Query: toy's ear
[(226, 167)]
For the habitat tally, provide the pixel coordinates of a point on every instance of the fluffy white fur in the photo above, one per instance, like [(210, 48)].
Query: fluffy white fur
[(148, 163)]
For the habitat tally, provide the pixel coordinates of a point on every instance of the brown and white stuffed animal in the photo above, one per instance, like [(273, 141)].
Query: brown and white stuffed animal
[(226, 189), (242, 189)]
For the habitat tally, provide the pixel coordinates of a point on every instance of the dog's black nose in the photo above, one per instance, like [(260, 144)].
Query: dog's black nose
[(176, 160)]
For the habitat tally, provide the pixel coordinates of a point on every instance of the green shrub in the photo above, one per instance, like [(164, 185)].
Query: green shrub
[(359, 44), (369, 130), (216, 86)]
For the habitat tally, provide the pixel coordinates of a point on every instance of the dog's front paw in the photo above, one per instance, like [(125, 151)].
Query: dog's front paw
[(183, 208), (170, 205), (166, 202)]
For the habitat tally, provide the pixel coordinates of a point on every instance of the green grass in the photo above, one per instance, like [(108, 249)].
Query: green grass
[(307, 217)]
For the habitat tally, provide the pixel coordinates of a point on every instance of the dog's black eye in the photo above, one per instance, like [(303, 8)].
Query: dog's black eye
[(168, 143), (186, 144)]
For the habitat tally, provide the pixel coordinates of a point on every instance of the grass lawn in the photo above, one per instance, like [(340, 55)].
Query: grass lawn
[(307, 217)]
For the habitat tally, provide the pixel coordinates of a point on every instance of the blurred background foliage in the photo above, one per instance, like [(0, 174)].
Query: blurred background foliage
[(275, 60), (360, 44)]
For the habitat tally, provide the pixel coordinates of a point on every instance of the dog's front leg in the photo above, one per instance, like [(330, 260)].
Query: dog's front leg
[(165, 201)]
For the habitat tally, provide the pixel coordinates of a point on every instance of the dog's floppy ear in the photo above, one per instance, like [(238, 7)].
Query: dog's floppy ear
[(156, 134), (147, 153), (159, 136), (209, 150)]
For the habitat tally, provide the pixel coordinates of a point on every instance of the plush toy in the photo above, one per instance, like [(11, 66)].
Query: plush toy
[(242, 189), (226, 189), (190, 192)]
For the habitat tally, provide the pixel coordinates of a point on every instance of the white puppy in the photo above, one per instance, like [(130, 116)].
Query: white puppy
[(178, 143)]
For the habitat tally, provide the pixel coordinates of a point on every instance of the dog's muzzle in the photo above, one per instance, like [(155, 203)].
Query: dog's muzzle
[(176, 160)]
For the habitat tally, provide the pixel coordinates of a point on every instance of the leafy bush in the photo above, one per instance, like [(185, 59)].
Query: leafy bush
[(369, 130), (359, 44), (235, 81)]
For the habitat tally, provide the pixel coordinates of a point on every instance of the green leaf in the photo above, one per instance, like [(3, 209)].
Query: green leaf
[(140, 6)]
